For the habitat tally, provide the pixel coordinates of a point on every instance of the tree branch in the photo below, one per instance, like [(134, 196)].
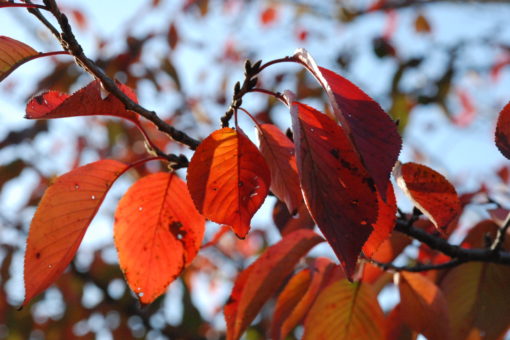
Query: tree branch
[(454, 251), (70, 44), (414, 269)]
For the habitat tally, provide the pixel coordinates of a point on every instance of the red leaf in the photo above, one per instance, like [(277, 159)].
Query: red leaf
[(278, 150), (228, 179), (503, 131), (345, 310), (13, 53), (157, 232), (291, 310), (430, 192), (385, 223), (61, 219), (423, 306), (88, 101), (268, 16), (265, 277), (370, 129), (338, 192)]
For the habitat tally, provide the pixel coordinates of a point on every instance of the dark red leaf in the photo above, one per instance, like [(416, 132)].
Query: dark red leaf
[(339, 193), (370, 129)]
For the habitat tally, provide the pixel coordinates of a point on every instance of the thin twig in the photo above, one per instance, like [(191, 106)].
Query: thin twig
[(500, 236), (414, 269), (70, 44)]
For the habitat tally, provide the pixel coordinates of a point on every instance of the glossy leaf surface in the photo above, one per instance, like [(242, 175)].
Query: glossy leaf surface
[(13, 53), (87, 101), (423, 306), (338, 191), (278, 150), (478, 299), (370, 129), (257, 283), (430, 192), (345, 311), (158, 231), (503, 131), (228, 179), (61, 219)]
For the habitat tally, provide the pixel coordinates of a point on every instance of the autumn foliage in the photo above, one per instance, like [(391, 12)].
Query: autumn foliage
[(335, 167)]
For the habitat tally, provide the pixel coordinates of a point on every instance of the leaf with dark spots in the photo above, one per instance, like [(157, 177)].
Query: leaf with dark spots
[(369, 128), (157, 233), (331, 185), (87, 101), (228, 179), (503, 131)]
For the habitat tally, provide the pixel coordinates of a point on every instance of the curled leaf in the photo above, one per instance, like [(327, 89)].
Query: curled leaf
[(503, 131), (61, 219), (157, 233), (228, 179), (430, 192)]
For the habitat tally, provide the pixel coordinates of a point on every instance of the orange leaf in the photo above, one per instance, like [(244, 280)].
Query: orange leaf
[(257, 283), (478, 299), (157, 232), (396, 329), (423, 306), (287, 300), (278, 150), (370, 129), (430, 192), (228, 179), (345, 311), (88, 101), (385, 222), (13, 53), (285, 319), (339, 193), (503, 131), (61, 219)]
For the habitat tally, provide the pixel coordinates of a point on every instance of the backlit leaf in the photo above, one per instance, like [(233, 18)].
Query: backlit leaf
[(430, 192), (339, 193), (257, 283), (228, 179), (13, 53), (423, 306), (157, 233), (88, 101), (478, 299), (503, 131), (61, 219), (287, 300), (386, 217), (278, 150), (345, 311), (369, 128), (285, 319)]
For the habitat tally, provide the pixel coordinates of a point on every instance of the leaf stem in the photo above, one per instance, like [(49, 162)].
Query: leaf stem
[(28, 5)]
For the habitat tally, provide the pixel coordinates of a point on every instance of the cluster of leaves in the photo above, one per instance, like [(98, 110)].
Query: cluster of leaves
[(333, 170)]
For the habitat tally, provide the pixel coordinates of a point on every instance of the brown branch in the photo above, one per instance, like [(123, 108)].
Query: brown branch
[(453, 251), (70, 44), (414, 269)]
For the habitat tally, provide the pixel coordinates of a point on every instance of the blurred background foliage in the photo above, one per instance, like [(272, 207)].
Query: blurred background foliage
[(439, 68)]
